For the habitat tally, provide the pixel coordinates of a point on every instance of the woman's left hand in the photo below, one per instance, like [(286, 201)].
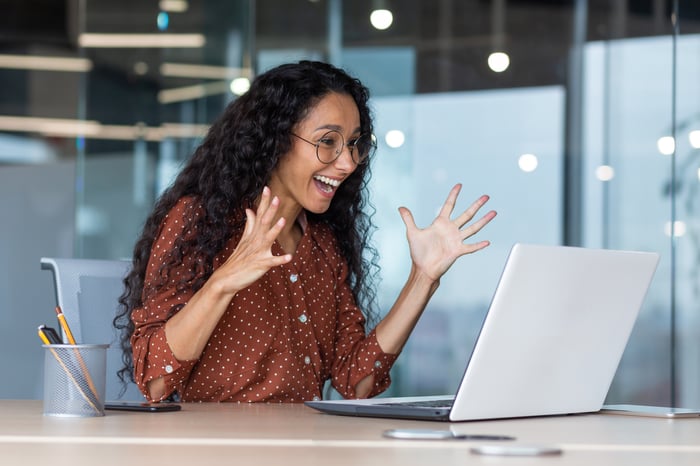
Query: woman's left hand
[(435, 248)]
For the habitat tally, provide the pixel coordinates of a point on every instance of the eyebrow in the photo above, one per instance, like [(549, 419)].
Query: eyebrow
[(336, 128)]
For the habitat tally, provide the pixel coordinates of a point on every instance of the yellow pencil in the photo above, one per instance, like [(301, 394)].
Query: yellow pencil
[(69, 335), (43, 337), (64, 325)]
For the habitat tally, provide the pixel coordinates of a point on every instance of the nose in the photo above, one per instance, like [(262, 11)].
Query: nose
[(345, 161)]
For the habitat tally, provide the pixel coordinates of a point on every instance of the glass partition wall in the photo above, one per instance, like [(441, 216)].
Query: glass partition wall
[(639, 182), (581, 120), (161, 73)]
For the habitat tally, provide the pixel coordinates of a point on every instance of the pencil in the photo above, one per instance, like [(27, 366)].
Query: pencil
[(43, 336), (69, 335), (64, 325)]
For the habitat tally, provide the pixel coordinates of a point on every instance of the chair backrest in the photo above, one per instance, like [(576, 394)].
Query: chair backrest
[(88, 292)]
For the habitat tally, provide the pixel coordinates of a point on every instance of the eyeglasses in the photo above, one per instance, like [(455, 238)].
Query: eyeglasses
[(330, 146)]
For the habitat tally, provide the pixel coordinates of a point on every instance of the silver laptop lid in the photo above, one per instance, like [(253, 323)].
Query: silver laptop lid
[(556, 329)]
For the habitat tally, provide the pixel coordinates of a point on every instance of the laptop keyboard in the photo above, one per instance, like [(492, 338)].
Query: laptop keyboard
[(445, 403)]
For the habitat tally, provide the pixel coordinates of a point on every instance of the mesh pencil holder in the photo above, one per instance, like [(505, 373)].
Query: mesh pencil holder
[(74, 380)]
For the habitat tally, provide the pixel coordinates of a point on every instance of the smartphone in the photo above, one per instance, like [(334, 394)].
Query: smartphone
[(515, 450), (142, 406), (433, 434), (418, 434), (651, 411)]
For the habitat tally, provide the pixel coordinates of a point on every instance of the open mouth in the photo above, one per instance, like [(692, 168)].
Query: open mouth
[(325, 184)]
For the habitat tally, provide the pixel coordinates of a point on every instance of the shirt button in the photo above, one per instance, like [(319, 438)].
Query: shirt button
[(303, 318), (169, 369), (293, 278), (377, 364), (307, 360)]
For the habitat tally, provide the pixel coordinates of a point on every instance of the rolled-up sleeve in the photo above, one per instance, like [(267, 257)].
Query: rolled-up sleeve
[(357, 355), (152, 356)]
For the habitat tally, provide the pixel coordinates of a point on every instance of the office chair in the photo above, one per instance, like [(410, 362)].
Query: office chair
[(88, 291)]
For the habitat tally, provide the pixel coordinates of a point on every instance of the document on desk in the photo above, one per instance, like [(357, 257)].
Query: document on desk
[(650, 411)]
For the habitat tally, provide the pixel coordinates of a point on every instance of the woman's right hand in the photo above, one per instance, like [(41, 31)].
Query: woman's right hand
[(188, 331), (253, 256)]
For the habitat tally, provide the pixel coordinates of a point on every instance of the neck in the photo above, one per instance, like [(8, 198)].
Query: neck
[(291, 233), (290, 214)]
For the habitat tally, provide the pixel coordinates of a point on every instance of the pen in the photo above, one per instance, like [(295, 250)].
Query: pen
[(50, 334)]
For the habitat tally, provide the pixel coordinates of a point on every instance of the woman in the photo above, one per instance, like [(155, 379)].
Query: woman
[(249, 276)]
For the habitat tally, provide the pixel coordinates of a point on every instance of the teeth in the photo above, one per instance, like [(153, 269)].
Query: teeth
[(327, 181)]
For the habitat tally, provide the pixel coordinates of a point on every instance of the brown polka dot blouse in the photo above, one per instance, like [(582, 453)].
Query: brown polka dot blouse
[(279, 340)]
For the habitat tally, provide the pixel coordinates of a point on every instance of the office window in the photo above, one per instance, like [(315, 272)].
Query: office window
[(578, 117)]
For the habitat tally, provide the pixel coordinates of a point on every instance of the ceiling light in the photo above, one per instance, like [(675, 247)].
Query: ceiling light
[(694, 138), (240, 86), (679, 228), (666, 145), (528, 162), (94, 40), (140, 68), (63, 127), (395, 138), (499, 61), (44, 63), (183, 130), (49, 126), (198, 91), (173, 6), (605, 173), (381, 19), (185, 70)]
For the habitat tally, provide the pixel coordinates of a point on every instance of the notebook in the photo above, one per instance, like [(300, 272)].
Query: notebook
[(550, 343)]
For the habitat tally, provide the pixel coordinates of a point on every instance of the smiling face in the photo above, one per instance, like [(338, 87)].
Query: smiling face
[(300, 180)]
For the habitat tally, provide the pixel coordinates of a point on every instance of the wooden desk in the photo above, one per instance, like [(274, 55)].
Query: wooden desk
[(211, 434)]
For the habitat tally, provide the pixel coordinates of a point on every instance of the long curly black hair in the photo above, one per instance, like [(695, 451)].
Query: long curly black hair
[(228, 172)]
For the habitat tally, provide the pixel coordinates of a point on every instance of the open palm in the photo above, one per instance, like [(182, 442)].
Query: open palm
[(435, 248)]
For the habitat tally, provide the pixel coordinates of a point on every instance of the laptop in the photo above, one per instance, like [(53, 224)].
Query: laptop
[(550, 343)]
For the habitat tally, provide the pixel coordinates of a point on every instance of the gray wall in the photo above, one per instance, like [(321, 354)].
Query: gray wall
[(37, 208)]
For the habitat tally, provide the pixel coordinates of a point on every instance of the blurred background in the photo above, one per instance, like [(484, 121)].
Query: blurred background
[(580, 118)]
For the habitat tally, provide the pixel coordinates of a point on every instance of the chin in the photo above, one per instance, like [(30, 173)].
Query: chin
[(318, 209)]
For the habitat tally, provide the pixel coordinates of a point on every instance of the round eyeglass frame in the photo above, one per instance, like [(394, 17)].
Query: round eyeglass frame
[(372, 147)]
